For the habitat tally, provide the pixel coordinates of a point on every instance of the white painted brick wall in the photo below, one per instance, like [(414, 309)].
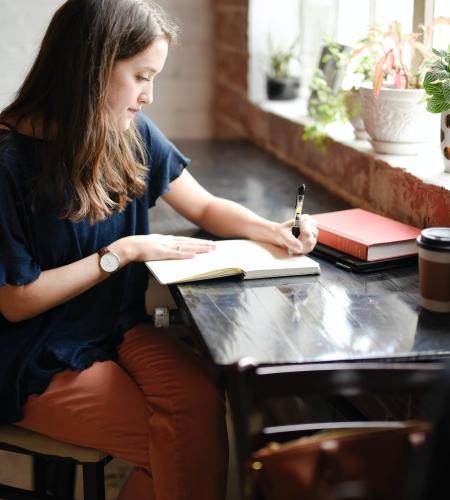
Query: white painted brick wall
[(183, 92)]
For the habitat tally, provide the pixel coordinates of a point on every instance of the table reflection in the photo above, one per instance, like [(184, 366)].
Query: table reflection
[(334, 316)]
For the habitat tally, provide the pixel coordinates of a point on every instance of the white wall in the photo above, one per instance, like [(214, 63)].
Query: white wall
[(182, 92), (22, 26)]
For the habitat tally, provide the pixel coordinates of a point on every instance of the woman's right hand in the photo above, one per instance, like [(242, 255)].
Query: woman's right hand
[(160, 247)]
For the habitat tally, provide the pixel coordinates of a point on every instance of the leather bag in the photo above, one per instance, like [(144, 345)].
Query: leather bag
[(336, 465)]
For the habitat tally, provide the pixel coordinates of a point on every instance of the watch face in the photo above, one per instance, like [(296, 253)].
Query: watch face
[(109, 262)]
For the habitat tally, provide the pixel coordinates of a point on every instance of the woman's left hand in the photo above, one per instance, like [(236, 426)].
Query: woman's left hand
[(307, 239)]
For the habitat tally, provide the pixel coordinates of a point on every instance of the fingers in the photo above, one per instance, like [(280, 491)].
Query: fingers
[(294, 245), (309, 233), (162, 247), (192, 245), (176, 254), (307, 239), (186, 248)]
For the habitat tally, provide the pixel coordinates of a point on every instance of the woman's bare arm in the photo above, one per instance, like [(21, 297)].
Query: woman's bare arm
[(226, 218), (56, 286)]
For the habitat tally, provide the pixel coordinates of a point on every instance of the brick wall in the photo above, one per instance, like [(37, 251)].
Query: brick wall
[(359, 178), (231, 68)]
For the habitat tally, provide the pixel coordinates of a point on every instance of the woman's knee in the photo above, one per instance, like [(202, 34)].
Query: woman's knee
[(165, 367), (99, 407)]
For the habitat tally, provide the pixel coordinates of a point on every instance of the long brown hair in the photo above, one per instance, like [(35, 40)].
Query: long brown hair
[(87, 166)]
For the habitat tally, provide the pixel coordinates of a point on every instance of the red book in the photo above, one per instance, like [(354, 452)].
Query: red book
[(366, 235)]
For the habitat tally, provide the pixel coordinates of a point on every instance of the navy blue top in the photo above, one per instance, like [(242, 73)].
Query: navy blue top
[(90, 326)]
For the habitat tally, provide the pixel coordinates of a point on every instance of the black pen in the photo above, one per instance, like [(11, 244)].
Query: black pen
[(300, 196), (298, 210)]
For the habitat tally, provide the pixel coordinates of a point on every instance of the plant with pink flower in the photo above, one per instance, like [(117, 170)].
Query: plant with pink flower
[(405, 56)]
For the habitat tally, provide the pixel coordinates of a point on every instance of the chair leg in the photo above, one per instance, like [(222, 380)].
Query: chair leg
[(94, 481), (58, 478), (39, 476), (62, 480)]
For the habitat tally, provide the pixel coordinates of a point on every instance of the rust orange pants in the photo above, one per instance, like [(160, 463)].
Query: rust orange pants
[(156, 407)]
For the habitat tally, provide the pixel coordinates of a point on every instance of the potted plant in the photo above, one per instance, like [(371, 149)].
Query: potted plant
[(360, 71), (325, 107), (437, 86), (336, 98), (281, 84), (393, 107)]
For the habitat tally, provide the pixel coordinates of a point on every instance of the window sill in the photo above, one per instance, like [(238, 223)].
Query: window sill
[(426, 166), (411, 189)]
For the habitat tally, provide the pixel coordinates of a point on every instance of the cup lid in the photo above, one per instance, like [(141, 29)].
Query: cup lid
[(437, 238)]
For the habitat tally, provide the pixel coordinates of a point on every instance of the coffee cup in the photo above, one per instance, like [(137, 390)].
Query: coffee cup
[(434, 268)]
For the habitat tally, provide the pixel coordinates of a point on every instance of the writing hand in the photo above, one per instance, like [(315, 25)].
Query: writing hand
[(307, 239)]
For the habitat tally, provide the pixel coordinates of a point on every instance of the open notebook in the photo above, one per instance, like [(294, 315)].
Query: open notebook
[(250, 259)]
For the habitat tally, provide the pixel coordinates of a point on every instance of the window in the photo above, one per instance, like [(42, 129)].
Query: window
[(441, 38), (345, 21)]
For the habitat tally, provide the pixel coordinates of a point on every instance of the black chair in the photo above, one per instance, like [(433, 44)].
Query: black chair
[(47, 452), (252, 386)]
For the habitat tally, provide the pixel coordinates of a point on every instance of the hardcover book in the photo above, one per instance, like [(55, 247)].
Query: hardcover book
[(366, 235), (249, 259)]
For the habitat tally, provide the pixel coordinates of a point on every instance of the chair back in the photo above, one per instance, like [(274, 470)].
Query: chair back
[(348, 459)]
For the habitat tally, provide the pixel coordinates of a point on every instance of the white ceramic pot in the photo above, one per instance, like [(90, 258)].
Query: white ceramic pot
[(397, 120), (445, 139)]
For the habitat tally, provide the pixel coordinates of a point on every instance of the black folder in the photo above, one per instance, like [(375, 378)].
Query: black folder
[(349, 263)]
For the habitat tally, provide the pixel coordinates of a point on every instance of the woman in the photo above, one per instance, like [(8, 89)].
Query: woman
[(79, 168)]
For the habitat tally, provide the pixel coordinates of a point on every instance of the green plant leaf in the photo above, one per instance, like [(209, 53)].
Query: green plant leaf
[(429, 87), (433, 81), (316, 134), (439, 53), (279, 60), (446, 90), (439, 65), (438, 75), (438, 93), (447, 63), (437, 105)]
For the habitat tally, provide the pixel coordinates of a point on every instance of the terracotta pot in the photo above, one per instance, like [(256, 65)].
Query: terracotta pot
[(397, 120), (445, 139)]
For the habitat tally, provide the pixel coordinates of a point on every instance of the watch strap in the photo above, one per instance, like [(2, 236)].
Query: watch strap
[(102, 251)]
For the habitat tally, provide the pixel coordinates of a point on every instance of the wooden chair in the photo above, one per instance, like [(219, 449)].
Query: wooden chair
[(46, 451), (251, 386)]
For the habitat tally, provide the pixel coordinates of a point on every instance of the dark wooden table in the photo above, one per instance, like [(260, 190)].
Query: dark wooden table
[(335, 317)]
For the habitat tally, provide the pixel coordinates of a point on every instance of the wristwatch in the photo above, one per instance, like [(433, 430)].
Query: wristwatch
[(109, 261)]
